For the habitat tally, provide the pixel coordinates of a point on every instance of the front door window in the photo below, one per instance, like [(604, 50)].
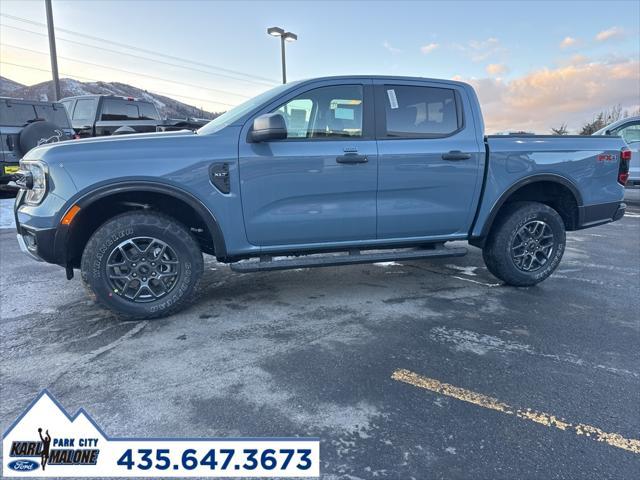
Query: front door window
[(328, 112)]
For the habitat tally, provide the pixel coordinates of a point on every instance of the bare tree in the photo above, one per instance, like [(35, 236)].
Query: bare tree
[(561, 130), (602, 119)]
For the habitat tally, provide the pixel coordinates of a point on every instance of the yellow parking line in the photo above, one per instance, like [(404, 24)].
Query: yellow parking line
[(613, 439)]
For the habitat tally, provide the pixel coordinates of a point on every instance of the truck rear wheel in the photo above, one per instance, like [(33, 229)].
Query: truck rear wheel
[(526, 244), (142, 265)]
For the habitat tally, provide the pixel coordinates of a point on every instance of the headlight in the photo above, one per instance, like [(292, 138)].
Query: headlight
[(37, 186)]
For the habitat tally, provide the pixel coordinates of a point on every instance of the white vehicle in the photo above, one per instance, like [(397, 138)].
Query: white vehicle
[(629, 129)]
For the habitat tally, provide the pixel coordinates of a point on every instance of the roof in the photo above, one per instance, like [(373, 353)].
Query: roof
[(30, 102), (98, 95), (385, 77), (616, 124)]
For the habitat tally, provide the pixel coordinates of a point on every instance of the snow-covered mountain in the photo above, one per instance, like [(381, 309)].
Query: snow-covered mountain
[(7, 86), (168, 107)]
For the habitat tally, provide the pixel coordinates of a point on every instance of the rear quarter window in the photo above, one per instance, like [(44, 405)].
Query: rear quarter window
[(57, 114)]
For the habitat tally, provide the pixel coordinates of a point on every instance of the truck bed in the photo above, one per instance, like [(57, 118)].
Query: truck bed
[(586, 165)]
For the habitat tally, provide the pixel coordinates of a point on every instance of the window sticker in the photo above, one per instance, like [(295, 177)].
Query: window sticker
[(393, 101)]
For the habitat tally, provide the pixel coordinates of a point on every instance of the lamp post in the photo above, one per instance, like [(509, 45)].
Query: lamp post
[(284, 36)]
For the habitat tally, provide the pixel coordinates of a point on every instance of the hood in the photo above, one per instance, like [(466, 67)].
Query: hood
[(115, 142), (135, 136)]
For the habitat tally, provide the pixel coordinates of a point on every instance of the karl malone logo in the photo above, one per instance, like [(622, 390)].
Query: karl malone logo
[(63, 452), (31, 445)]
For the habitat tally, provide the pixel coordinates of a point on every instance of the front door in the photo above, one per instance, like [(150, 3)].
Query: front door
[(430, 160), (317, 186)]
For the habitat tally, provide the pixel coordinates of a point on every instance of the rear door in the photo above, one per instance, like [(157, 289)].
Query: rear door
[(429, 160), (317, 186)]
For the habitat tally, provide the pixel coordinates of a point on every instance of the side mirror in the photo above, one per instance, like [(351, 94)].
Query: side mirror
[(270, 126)]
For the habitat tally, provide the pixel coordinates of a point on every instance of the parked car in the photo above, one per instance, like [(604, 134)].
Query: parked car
[(629, 129), (100, 115), (25, 124), (330, 171)]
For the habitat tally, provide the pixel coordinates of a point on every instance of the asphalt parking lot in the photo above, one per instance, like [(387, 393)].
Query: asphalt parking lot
[(359, 356)]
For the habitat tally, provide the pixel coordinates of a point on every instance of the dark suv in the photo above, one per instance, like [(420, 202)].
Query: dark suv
[(25, 124), (100, 115)]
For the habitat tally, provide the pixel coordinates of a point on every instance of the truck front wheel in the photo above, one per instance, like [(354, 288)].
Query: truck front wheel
[(142, 265), (526, 244)]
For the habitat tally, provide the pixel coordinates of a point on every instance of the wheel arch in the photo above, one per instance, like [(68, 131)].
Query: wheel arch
[(101, 203), (557, 191)]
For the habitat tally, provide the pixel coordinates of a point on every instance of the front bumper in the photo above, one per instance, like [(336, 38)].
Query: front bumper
[(37, 238), (39, 244), (27, 250)]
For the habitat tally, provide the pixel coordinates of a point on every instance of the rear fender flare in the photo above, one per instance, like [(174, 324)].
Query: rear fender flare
[(565, 182)]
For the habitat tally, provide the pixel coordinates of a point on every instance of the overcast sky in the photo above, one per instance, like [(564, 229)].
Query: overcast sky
[(535, 64)]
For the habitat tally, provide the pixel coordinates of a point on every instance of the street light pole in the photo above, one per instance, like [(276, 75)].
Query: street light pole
[(52, 50), (284, 36), (284, 61)]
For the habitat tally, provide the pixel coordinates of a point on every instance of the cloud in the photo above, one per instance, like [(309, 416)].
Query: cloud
[(580, 60), (391, 48), (610, 34), (481, 50), (495, 69), (430, 47), (551, 96), (568, 42)]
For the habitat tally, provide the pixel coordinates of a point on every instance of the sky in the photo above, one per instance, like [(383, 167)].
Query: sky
[(535, 65)]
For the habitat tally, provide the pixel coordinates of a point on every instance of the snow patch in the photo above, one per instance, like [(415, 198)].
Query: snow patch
[(468, 341), (471, 271), (387, 264)]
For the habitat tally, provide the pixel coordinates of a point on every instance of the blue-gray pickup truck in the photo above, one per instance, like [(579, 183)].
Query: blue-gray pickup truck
[(321, 172)]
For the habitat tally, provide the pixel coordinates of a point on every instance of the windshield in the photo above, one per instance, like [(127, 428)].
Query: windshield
[(239, 111)]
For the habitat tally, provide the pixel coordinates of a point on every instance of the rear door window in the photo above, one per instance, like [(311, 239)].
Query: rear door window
[(419, 112), (57, 114), (16, 114), (85, 109), (116, 109)]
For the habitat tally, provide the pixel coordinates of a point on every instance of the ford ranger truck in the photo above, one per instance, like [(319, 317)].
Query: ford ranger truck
[(329, 171)]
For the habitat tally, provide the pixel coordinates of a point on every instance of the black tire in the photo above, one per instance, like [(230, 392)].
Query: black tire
[(508, 251), (141, 245), (40, 133)]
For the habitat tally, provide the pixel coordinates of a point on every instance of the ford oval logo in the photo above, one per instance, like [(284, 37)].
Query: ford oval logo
[(23, 465)]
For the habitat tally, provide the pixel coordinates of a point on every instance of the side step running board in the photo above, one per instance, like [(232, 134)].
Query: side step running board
[(353, 257)]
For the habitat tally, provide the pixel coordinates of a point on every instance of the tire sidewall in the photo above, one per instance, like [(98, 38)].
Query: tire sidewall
[(113, 233), (521, 218)]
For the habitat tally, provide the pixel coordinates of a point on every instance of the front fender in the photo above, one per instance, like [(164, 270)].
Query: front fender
[(85, 198)]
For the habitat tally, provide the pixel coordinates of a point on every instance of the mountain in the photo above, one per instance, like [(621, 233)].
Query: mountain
[(168, 107), (7, 86)]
